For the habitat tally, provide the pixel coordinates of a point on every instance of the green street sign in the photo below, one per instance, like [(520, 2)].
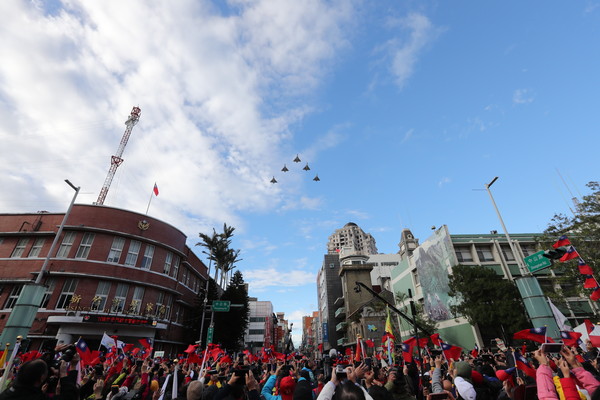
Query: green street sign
[(221, 305), (209, 335), (537, 261)]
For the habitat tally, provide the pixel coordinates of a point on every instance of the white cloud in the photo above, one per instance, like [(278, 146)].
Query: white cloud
[(407, 135), (523, 96), (261, 279), (403, 51), (444, 181), (218, 94)]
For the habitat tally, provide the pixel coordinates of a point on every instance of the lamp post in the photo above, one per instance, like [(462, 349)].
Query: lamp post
[(26, 307), (533, 298)]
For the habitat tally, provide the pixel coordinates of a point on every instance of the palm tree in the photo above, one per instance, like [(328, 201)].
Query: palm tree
[(219, 251)]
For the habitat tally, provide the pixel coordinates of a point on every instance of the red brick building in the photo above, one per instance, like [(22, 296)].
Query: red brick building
[(113, 271)]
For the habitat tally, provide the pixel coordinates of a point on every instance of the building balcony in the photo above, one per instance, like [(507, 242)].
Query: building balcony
[(340, 312), (341, 341), (341, 326), (339, 301)]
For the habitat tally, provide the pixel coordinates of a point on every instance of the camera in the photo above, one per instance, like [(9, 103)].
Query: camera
[(68, 354), (340, 371)]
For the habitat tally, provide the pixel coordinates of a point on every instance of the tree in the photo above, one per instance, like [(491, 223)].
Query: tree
[(583, 230), (420, 315), (219, 251), (230, 327), (491, 303)]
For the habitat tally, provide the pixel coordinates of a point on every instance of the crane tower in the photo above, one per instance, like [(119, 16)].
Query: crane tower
[(116, 160)]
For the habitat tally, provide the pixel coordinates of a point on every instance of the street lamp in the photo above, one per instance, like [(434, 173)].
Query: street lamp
[(533, 298), (26, 307)]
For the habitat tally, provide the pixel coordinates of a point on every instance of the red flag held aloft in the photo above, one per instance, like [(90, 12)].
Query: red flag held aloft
[(569, 255), (562, 241), (155, 190), (585, 269)]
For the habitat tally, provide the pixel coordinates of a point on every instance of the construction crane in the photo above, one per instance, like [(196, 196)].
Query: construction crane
[(116, 160)]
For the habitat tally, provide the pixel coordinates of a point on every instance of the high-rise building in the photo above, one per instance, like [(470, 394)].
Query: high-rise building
[(351, 235), (261, 327), (329, 288)]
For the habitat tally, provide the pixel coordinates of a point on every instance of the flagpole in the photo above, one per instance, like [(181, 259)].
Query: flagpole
[(149, 201)]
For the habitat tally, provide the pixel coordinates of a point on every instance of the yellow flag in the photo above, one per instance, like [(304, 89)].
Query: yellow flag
[(3, 358)]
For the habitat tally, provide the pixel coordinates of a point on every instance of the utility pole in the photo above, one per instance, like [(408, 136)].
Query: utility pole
[(533, 298)]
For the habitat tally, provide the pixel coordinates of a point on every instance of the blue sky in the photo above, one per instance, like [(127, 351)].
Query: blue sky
[(403, 108)]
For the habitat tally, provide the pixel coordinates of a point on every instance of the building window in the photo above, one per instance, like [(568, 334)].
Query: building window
[(36, 248), (65, 246), (99, 300), (115, 250), (19, 248), (256, 331), (175, 270), (132, 254), (50, 284), (168, 261), (118, 302), (163, 305), (148, 254), (184, 275), (86, 244), (485, 254), (136, 301), (415, 276), (463, 254), (528, 249), (13, 296), (508, 254), (67, 293), (257, 319)]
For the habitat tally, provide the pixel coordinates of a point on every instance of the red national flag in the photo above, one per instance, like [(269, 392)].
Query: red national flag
[(451, 352), (569, 255), (524, 365), (534, 334), (145, 342), (320, 346), (30, 355), (194, 359), (595, 340), (135, 351), (358, 353), (155, 190), (585, 269), (370, 343), (226, 359), (570, 338), (590, 282), (595, 294), (348, 351), (191, 348), (407, 352), (589, 327), (435, 339), (128, 347), (562, 241)]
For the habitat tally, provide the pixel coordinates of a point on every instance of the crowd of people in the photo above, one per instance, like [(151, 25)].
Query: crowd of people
[(561, 373)]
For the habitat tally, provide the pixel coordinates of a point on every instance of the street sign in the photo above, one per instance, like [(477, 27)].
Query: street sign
[(537, 261), (209, 335), (221, 305)]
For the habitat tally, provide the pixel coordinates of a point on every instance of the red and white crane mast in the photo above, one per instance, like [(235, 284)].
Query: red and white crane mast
[(116, 160)]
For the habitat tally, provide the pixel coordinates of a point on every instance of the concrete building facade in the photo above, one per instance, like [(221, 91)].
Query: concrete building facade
[(351, 235), (261, 327), (425, 271), (113, 271)]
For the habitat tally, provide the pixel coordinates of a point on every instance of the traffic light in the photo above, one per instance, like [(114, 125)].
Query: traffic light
[(557, 253)]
